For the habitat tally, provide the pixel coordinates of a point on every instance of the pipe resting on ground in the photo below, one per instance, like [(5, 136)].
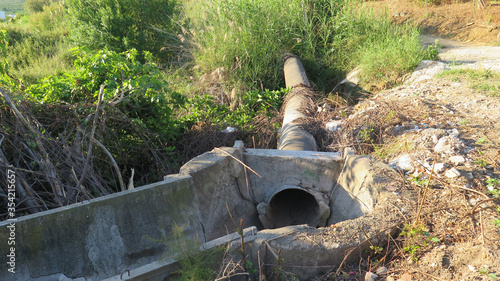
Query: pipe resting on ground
[(298, 106)]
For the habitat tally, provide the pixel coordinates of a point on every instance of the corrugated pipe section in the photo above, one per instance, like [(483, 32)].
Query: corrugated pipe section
[(298, 106)]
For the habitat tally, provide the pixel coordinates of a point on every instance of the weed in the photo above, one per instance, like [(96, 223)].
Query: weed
[(195, 264), (481, 162), (481, 140), (366, 135), (484, 80), (249, 267), (493, 186), (416, 237), (376, 249), (390, 116), (496, 222), (484, 271), (331, 37), (432, 52), (419, 180)]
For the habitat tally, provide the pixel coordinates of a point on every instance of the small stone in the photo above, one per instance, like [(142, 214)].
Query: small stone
[(469, 176), (452, 173), (457, 160), (438, 168), (403, 162), (370, 276), (443, 146), (382, 270), (405, 277), (453, 133)]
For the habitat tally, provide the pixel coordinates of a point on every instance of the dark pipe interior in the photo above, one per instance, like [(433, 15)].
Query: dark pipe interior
[(293, 207)]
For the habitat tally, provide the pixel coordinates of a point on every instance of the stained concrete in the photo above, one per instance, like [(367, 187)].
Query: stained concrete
[(103, 237)]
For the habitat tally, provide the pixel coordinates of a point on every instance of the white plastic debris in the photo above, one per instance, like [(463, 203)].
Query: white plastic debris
[(334, 125), (229, 130)]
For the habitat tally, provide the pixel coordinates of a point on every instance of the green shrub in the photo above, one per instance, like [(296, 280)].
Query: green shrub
[(138, 86), (253, 103)]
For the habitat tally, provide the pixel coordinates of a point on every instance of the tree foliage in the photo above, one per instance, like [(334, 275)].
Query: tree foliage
[(120, 25)]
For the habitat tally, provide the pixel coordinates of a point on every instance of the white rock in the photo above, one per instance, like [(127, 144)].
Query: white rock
[(370, 276), (457, 160), (448, 144), (382, 270), (452, 173), (438, 168), (403, 162), (453, 133)]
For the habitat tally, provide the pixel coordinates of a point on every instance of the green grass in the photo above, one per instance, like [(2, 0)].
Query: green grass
[(38, 45), (483, 80), (12, 6), (248, 38)]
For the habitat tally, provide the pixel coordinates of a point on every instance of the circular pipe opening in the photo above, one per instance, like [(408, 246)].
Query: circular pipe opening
[(293, 206)]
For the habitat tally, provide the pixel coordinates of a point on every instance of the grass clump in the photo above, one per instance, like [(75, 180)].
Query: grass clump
[(248, 38), (483, 80), (195, 264)]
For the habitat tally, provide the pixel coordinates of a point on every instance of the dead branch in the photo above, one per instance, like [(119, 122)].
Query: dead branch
[(49, 167), (113, 163), (89, 150), (21, 186)]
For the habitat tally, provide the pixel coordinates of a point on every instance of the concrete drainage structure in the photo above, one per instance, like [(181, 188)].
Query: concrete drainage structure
[(103, 237), (314, 211)]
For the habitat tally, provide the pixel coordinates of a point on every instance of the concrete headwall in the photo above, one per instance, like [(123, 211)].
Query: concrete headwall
[(104, 237)]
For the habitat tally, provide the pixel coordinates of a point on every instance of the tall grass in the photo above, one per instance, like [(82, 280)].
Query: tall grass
[(38, 45), (248, 38), (33, 55)]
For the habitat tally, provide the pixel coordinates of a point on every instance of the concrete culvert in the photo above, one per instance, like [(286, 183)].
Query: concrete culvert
[(292, 207)]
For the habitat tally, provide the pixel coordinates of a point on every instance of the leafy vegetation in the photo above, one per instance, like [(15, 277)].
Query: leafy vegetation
[(254, 103), (416, 238)]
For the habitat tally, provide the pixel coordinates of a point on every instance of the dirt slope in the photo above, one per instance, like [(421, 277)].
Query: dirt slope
[(435, 122)]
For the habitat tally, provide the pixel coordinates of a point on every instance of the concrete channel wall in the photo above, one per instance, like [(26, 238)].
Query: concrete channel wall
[(104, 237)]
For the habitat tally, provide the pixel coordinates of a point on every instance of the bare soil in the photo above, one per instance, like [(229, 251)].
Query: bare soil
[(433, 122), (463, 22)]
